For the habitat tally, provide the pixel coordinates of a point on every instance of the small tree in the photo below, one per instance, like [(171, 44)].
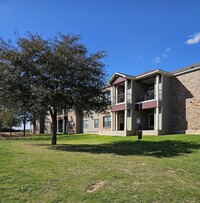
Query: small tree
[(19, 73), (52, 74), (71, 77), (10, 118)]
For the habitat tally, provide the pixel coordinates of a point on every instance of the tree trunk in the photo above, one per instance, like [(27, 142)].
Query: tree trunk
[(79, 121), (24, 125), (34, 127), (53, 113), (65, 121), (42, 122), (10, 130)]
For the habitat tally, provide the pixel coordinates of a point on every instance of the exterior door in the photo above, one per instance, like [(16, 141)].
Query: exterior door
[(121, 122), (151, 121)]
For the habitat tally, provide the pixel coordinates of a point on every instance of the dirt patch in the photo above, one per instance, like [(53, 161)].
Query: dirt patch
[(6, 135), (171, 172), (96, 186)]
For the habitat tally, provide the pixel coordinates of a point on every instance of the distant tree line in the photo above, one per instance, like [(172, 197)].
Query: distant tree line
[(40, 75)]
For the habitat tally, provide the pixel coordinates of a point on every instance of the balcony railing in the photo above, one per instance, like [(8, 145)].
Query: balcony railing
[(120, 98), (146, 96)]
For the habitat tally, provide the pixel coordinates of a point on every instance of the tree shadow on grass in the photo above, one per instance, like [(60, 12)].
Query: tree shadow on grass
[(162, 149)]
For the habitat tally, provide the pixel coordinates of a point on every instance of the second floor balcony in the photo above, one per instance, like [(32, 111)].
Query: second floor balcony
[(149, 95), (120, 98)]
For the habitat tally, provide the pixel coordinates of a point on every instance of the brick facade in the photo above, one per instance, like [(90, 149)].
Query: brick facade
[(102, 129), (186, 103)]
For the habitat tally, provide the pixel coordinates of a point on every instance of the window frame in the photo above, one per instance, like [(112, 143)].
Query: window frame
[(71, 125), (96, 124), (107, 121), (85, 124)]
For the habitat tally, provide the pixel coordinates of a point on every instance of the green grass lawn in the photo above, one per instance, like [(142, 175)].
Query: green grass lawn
[(91, 168)]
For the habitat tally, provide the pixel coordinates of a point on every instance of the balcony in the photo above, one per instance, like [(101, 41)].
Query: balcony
[(149, 95), (120, 98)]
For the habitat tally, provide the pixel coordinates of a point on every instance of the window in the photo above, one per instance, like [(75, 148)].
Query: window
[(71, 125), (85, 124), (96, 123), (107, 121)]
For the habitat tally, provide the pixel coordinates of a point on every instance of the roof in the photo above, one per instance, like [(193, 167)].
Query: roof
[(120, 74), (186, 69), (126, 75), (156, 71), (152, 72)]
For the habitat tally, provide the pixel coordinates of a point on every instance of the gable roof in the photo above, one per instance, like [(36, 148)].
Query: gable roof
[(117, 74), (155, 71), (152, 72), (186, 69)]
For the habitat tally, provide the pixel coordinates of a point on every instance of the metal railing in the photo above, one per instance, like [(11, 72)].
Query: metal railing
[(149, 95), (120, 98)]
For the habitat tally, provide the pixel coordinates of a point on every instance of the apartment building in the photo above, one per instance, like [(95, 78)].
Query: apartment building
[(67, 122), (162, 102)]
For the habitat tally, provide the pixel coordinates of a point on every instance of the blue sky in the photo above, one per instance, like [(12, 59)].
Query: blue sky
[(138, 35)]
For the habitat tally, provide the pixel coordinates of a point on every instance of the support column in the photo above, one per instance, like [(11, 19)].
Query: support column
[(117, 119), (113, 121), (125, 92), (116, 94), (125, 111), (131, 96), (57, 124), (131, 117), (125, 120), (157, 108), (157, 87), (112, 96), (157, 118), (63, 125)]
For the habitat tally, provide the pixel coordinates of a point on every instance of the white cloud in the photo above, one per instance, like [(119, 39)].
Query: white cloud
[(164, 55), (160, 58), (157, 59), (194, 40)]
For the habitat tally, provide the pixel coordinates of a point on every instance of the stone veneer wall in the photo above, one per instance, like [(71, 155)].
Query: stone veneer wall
[(102, 130), (186, 103), (72, 117)]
